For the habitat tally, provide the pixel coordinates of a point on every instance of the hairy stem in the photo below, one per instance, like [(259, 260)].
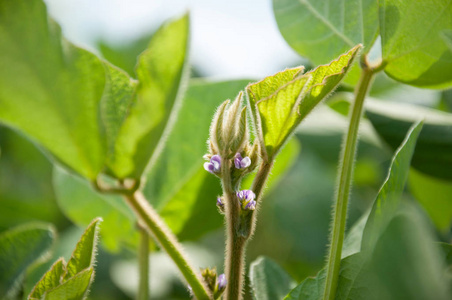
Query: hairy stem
[(237, 236), (235, 245), (143, 264), (345, 177), (162, 234)]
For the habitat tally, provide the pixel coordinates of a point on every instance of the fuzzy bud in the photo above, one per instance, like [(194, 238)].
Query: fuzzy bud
[(228, 130)]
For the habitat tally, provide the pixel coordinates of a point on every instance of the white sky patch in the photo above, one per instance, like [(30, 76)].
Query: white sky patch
[(230, 39)]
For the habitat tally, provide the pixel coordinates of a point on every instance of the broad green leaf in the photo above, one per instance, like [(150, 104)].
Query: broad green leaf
[(116, 102), (405, 262), (75, 288), (81, 204), (389, 197), (435, 195), (50, 280), (49, 89), (433, 154), (85, 251), (280, 102), (412, 43), (177, 185), (161, 71), (321, 30), (21, 248), (268, 280)]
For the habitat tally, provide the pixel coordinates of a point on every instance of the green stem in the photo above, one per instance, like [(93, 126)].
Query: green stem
[(162, 234), (235, 244), (143, 264), (346, 173), (237, 236)]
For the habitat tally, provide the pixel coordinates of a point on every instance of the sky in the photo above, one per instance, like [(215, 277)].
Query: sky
[(229, 39)]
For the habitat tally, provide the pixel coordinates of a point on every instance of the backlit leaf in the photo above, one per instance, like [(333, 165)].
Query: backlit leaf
[(85, 251), (161, 71), (280, 102), (49, 89)]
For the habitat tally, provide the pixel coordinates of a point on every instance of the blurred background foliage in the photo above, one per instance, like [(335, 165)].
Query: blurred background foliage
[(293, 223)]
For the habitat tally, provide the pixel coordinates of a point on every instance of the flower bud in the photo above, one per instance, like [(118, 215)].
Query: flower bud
[(228, 130), (220, 204), (216, 141), (221, 284)]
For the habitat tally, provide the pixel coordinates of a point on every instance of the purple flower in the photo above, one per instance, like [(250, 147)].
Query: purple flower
[(214, 165), (241, 162), (246, 195), (246, 198), (219, 202), (251, 205), (222, 282)]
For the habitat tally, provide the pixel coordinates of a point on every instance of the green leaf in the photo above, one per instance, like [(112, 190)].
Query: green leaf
[(412, 43), (389, 196), (447, 37), (280, 102), (434, 147), (118, 97), (405, 262), (49, 89), (311, 288), (161, 71), (75, 288), (435, 197), (269, 280), (50, 280), (81, 204), (85, 251), (321, 30), (21, 248), (177, 185), (397, 259), (22, 164), (353, 239), (446, 250)]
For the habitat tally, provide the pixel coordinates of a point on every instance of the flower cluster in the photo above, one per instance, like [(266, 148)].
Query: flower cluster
[(216, 283), (214, 165), (247, 199)]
